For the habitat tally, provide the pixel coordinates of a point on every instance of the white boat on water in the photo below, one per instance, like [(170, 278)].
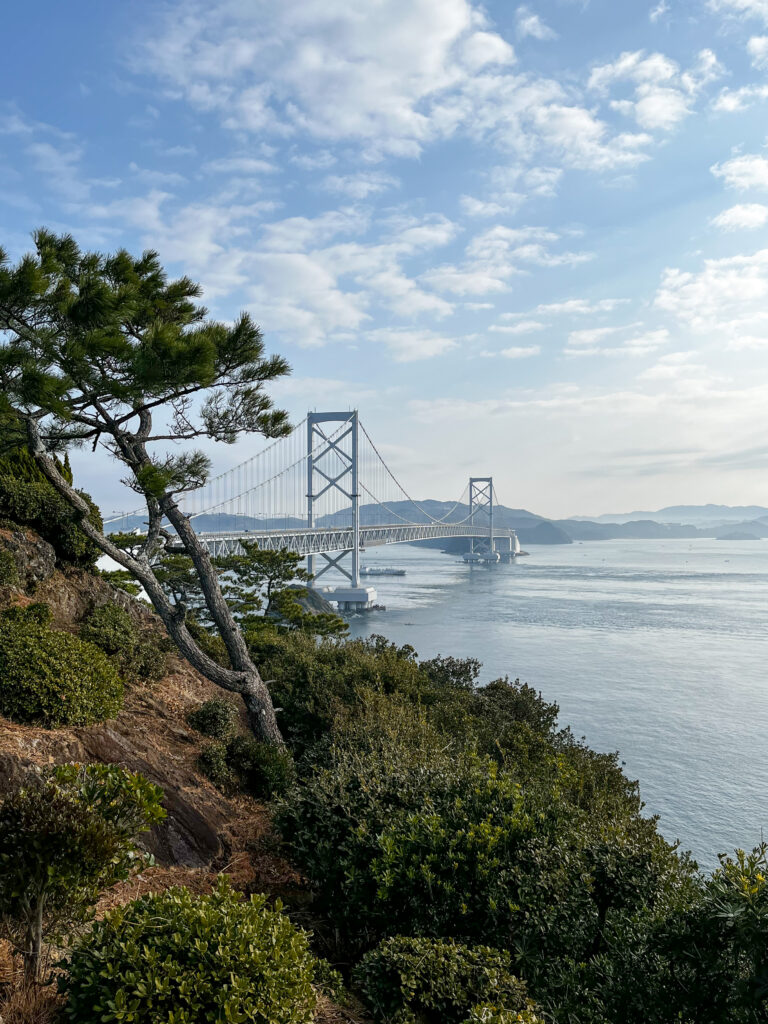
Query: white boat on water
[(381, 570)]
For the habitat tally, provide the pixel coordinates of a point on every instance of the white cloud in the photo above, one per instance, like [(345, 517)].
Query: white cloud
[(585, 343), (381, 73), (359, 186), (575, 307), (239, 165), (392, 78), (748, 8), (726, 299), (659, 11), (662, 94), (589, 337), (743, 217), (757, 48), (731, 101), (60, 166), (743, 172), (484, 208), (409, 346), (298, 234), (530, 24), (518, 352), (524, 327), (672, 366), (511, 187), (319, 161), (160, 179), (497, 255)]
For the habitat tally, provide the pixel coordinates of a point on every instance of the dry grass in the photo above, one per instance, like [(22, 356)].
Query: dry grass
[(328, 1013), (30, 1004)]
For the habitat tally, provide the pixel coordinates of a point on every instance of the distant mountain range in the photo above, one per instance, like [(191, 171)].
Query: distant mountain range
[(739, 522), (689, 515)]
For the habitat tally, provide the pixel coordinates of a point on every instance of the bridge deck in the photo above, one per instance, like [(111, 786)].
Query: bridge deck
[(323, 540)]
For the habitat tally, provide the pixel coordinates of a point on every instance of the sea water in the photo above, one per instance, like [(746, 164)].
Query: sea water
[(656, 649)]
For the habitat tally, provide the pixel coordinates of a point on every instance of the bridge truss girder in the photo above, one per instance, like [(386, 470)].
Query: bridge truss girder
[(324, 541)]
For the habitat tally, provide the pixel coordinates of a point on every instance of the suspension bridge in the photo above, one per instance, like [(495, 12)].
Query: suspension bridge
[(326, 492)]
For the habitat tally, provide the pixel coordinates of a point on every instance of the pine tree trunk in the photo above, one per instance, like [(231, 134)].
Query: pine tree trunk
[(261, 713)]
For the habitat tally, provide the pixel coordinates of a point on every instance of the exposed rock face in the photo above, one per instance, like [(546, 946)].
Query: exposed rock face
[(34, 557), (148, 736)]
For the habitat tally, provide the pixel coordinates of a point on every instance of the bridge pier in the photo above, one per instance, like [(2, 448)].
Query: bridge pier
[(506, 547), (351, 599)]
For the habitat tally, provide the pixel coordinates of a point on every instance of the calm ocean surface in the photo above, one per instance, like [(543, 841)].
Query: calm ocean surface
[(656, 649)]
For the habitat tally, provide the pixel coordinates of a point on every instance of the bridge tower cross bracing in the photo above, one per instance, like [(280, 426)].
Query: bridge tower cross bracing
[(481, 502), (331, 468)]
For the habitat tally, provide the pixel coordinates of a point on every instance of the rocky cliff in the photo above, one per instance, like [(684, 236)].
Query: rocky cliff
[(149, 735)]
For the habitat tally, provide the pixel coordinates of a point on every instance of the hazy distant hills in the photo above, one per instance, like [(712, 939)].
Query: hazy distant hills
[(726, 522), (689, 515)]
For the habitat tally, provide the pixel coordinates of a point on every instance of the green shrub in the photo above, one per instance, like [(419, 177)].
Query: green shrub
[(311, 682), (112, 629), (34, 503), (177, 958), (121, 579), (405, 980), (445, 844), (9, 573), (208, 641), (216, 718), (212, 762), (263, 770), (64, 837), (244, 763), (330, 982), (38, 613), (51, 678)]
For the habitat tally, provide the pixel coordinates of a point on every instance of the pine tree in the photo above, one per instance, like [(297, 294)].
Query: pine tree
[(95, 349)]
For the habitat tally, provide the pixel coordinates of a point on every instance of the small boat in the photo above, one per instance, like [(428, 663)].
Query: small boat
[(381, 570)]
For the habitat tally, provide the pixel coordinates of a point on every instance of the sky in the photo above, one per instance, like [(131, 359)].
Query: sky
[(523, 240)]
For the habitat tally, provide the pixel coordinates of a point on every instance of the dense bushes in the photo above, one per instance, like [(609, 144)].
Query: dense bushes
[(215, 718), (35, 504), (401, 834), (406, 980), (64, 836), (180, 959), (257, 768), (312, 682), (139, 655), (51, 678)]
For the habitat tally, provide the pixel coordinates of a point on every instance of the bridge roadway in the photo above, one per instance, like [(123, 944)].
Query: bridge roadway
[(322, 540)]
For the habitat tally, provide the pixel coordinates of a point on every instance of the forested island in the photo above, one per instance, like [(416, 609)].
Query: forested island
[(217, 807)]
